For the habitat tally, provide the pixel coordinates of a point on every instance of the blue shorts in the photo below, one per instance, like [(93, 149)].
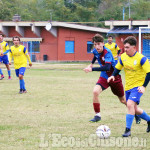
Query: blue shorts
[(133, 95), (20, 71), (4, 59)]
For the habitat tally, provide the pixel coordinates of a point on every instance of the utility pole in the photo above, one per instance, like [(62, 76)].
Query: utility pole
[(129, 10)]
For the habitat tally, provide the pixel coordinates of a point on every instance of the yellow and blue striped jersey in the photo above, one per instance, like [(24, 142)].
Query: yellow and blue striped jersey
[(5, 46), (20, 55), (114, 48), (135, 68)]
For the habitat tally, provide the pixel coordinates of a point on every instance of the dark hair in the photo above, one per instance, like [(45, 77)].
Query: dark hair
[(2, 34), (131, 40), (110, 36), (16, 37), (98, 38)]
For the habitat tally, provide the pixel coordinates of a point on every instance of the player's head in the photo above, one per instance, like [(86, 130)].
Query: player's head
[(16, 40), (130, 45), (110, 39), (1, 36), (98, 41)]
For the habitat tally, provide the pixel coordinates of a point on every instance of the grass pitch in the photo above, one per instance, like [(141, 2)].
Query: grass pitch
[(55, 112)]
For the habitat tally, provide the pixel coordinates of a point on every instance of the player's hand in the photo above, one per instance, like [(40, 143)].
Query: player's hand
[(111, 78), (88, 69), (2, 54), (9, 63), (141, 89), (30, 65), (115, 56), (91, 65)]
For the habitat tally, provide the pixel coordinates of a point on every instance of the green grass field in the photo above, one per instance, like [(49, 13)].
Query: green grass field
[(55, 112)]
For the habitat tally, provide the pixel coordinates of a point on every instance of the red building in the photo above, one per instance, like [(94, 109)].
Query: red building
[(58, 42)]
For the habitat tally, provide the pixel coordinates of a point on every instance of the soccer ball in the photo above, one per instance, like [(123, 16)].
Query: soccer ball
[(103, 132)]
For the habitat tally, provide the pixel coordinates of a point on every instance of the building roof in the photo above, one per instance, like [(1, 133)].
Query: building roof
[(81, 27), (35, 27), (124, 30), (126, 27)]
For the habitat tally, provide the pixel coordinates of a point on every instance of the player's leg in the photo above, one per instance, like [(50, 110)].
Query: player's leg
[(117, 89), (2, 76), (9, 71), (21, 80), (17, 74), (133, 98), (6, 62), (142, 114), (99, 87), (129, 117), (96, 104)]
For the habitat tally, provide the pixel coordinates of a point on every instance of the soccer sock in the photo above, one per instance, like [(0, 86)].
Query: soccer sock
[(144, 116), (129, 120), (9, 73), (98, 114), (1, 71), (23, 84), (96, 107)]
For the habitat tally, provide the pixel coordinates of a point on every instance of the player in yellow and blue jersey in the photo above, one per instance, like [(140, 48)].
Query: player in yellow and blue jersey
[(137, 77), (20, 55), (4, 57), (113, 47)]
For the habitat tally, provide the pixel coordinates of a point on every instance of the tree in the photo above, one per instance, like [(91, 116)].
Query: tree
[(140, 9), (110, 9)]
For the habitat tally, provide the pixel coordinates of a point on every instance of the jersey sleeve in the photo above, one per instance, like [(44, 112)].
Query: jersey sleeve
[(117, 47), (7, 46), (25, 50), (27, 55), (119, 65), (10, 55), (145, 64)]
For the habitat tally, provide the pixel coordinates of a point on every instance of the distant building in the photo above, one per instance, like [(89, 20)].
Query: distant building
[(123, 29), (60, 42)]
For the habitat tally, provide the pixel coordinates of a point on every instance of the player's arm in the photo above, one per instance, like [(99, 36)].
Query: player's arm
[(1, 50), (118, 50), (89, 67), (92, 62), (7, 49), (116, 71), (147, 79), (146, 67), (28, 57), (10, 57), (106, 67), (112, 77)]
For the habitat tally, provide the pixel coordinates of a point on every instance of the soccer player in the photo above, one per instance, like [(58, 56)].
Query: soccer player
[(137, 76), (113, 47), (4, 57), (107, 64), (20, 55)]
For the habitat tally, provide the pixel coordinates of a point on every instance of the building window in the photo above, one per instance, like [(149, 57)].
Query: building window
[(89, 47), (34, 46), (69, 46)]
